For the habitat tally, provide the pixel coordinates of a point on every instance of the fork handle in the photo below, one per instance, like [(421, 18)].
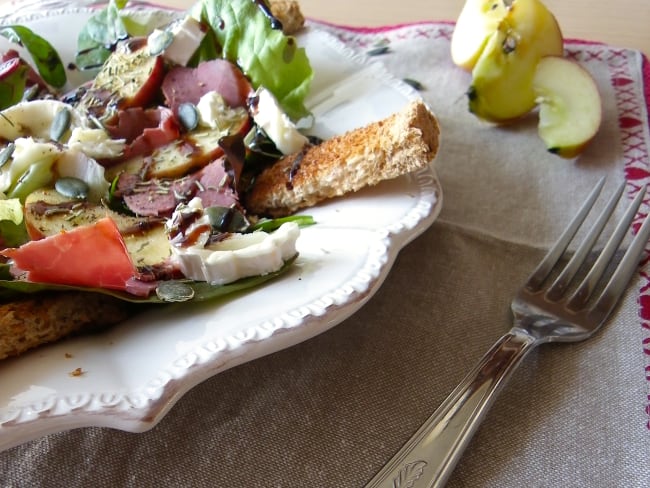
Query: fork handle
[(429, 457)]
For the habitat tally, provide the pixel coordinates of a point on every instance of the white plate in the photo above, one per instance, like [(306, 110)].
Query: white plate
[(135, 372)]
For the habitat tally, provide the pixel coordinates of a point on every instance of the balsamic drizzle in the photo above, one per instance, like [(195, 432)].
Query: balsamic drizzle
[(264, 7)]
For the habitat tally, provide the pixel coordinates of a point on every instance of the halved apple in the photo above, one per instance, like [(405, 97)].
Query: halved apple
[(570, 109), (502, 79), (477, 21)]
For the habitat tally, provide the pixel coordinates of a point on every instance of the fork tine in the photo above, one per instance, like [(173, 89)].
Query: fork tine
[(623, 273), (543, 269), (586, 288), (559, 286)]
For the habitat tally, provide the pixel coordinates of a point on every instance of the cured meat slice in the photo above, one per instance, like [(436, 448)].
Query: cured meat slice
[(187, 85)]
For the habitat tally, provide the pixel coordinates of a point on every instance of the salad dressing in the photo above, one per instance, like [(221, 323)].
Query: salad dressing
[(275, 23)]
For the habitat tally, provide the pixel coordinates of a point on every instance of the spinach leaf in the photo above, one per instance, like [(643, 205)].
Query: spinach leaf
[(47, 60), (269, 225)]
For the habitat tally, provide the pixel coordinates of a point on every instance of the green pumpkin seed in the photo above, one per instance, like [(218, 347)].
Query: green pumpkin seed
[(158, 41), (226, 219), (378, 51), (72, 187), (414, 83), (30, 93), (188, 115), (174, 291), (60, 124), (6, 153), (96, 122)]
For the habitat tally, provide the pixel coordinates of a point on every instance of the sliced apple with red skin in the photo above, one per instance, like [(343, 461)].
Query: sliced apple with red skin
[(178, 158), (570, 108), (477, 21), (502, 79), (48, 213), (131, 77)]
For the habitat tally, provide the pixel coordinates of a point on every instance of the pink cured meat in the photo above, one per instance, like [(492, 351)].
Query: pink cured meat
[(183, 84), (144, 130), (155, 198)]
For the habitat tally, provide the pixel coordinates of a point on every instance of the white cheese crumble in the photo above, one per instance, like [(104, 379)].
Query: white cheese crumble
[(95, 143), (215, 113), (238, 256), (276, 124), (187, 36)]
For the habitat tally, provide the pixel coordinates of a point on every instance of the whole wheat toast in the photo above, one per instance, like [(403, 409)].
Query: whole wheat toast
[(401, 143), (46, 317)]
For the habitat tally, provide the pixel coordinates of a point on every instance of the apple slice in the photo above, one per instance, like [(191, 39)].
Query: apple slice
[(570, 109), (477, 21), (502, 87)]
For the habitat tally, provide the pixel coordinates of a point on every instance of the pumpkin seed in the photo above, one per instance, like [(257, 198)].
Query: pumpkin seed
[(60, 124), (227, 219), (414, 83), (72, 187), (378, 51), (158, 41), (188, 115), (6, 153), (30, 93), (96, 122), (174, 291)]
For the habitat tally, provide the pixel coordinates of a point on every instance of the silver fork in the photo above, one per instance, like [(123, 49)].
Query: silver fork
[(541, 313)]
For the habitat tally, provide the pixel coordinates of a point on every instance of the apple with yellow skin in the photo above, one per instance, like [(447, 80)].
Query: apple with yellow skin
[(502, 78), (476, 22), (570, 109)]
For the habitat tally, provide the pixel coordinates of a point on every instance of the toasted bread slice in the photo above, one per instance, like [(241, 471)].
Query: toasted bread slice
[(402, 143), (47, 317), (289, 14)]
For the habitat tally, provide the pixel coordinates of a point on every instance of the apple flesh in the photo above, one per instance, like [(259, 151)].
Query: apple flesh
[(477, 21), (570, 110), (502, 78)]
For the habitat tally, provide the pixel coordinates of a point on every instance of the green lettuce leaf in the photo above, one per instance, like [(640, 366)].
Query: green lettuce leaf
[(266, 55)]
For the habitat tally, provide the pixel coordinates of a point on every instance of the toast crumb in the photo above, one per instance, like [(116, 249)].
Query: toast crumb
[(401, 143)]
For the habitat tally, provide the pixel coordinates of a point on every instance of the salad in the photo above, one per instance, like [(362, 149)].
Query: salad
[(132, 184)]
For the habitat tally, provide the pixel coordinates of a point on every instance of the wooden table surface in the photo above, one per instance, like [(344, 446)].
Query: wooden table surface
[(624, 23)]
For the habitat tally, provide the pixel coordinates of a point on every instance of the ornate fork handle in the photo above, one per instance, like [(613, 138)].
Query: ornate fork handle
[(429, 457)]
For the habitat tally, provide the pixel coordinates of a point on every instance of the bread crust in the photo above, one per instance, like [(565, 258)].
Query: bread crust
[(401, 143), (38, 319), (289, 14)]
